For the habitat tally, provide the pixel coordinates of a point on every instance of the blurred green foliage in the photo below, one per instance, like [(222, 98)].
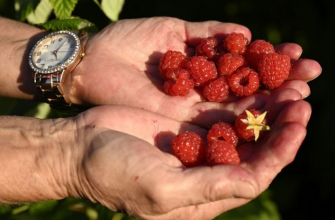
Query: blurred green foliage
[(303, 190)]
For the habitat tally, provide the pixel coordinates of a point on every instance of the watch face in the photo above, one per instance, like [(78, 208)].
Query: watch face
[(54, 52)]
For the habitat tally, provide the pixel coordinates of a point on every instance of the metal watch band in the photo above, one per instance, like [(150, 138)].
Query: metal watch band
[(47, 86)]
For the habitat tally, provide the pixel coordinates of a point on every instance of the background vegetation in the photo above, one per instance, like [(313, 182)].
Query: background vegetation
[(303, 190)]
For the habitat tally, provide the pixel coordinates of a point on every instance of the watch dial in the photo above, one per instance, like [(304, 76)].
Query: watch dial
[(54, 52)]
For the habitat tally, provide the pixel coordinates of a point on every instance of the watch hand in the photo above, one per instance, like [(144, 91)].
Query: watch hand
[(56, 51)]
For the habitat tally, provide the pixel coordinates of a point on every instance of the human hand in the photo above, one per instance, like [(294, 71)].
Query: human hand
[(129, 168), (121, 67)]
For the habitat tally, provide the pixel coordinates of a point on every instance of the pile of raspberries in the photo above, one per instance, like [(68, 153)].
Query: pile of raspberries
[(220, 145), (221, 67)]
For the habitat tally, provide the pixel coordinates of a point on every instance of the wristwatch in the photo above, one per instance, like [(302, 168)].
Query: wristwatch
[(52, 58)]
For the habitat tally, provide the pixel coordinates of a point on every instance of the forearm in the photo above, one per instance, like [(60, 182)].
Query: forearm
[(16, 40), (35, 159)]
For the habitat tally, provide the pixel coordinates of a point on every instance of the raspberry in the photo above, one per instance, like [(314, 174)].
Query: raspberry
[(201, 70), (228, 63), (235, 43), (250, 125), (178, 83), (222, 131), (222, 152), (274, 69), (255, 50), (217, 90), (189, 148), (207, 48), (244, 82), (171, 60)]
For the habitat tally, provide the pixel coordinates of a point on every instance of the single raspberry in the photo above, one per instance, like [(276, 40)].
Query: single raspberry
[(250, 125), (235, 43), (171, 60), (217, 90), (222, 152), (274, 69), (178, 83), (255, 50), (228, 63), (189, 148), (244, 82), (207, 48), (222, 131), (201, 69)]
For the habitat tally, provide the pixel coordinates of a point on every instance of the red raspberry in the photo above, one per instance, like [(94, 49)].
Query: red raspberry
[(222, 152), (244, 82), (207, 48), (228, 63), (201, 70), (250, 125), (222, 131), (217, 90), (171, 60), (235, 43), (189, 148), (178, 83), (255, 50), (274, 69)]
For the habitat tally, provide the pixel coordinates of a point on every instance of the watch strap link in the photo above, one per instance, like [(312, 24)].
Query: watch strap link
[(48, 87)]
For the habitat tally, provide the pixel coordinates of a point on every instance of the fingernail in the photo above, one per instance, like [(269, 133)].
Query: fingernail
[(244, 189), (306, 95)]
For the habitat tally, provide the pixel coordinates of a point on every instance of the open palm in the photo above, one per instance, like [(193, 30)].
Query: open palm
[(121, 67), (127, 165)]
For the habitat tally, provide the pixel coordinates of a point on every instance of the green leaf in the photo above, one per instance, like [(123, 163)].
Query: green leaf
[(112, 8), (63, 8), (24, 7), (7, 105), (42, 208), (70, 24), (5, 209), (41, 13), (261, 208)]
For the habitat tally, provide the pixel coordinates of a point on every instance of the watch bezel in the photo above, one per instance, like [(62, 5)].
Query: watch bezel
[(66, 63)]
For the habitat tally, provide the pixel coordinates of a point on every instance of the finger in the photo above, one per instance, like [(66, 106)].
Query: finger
[(195, 31), (297, 112), (292, 50), (282, 144), (279, 101), (298, 85), (305, 69)]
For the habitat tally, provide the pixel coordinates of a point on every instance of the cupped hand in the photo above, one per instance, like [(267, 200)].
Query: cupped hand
[(121, 67), (128, 167)]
